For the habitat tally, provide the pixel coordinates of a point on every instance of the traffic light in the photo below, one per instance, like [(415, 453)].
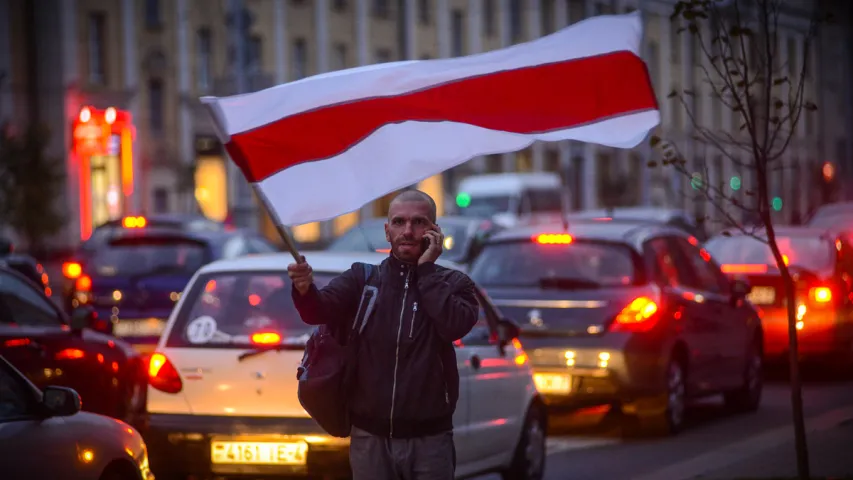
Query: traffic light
[(828, 171), (776, 203), (828, 182), (735, 183), (463, 200)]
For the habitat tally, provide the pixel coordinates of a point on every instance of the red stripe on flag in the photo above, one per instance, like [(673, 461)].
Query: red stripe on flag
[(530, 100)]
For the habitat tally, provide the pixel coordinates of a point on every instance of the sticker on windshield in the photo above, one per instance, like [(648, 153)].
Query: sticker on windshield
[(201, 330)]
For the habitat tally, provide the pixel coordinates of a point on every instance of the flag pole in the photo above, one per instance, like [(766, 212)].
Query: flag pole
[(282, 232)]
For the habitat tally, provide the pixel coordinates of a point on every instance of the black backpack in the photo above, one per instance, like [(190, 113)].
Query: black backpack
[(328, 366)]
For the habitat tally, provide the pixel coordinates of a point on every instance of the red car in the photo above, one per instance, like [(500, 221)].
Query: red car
[(822, 266)]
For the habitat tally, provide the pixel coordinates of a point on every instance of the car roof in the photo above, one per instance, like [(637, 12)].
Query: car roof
[(321, 261), (608, 231), (503, 183), (207, 236), (783, 230), (657, 214)]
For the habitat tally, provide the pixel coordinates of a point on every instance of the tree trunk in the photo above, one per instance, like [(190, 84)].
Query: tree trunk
[(793, 361)]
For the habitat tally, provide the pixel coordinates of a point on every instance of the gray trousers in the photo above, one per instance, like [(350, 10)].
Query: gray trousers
[(423, 458)]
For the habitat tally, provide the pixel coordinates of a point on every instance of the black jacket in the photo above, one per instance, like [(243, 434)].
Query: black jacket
[(407, 383)]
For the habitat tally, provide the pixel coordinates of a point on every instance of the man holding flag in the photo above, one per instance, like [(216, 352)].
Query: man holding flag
[(321, 147)]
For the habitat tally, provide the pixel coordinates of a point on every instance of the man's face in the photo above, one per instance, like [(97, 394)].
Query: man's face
[(407, 222)]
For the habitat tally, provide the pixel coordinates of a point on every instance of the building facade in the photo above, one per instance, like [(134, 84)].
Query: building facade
[(145, 64)]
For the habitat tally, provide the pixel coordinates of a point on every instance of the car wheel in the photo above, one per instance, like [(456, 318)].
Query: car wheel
[(668, 409), (528, 463), (748, 397)]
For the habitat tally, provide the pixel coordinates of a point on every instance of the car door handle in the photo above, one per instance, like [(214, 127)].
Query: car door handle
[(475, 362)]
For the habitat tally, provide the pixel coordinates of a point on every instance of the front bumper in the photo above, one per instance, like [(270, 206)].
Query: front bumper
[(583, 376), (180, 445)]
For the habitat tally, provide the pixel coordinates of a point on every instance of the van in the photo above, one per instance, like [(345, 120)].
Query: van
[(510, 197)]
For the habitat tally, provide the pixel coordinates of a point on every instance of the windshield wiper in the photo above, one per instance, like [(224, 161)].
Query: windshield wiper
[(567, 283), (293, 345)]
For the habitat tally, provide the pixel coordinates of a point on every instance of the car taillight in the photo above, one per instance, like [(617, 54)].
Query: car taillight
[(266, 338), (744, 268), (72, 270), (83, 284), (820, 295), (70, 354), (638, 316), (162, 375), (134, 222), (553, 239)]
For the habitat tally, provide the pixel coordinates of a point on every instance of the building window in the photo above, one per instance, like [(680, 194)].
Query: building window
[(457, 33), (340, 58), (381, 9), (546, 17), (300, 59), (383, 55), (515, 18), (161, 200), (489, 20), (155, 105), (203, 58), (424, 12), (340, 5), (97, 44), (152, 14), (254, 59), (653, 61), (675, 45), (576, 11)]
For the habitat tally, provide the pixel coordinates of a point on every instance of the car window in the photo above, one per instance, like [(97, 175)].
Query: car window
[(810, 252), (663, 261), (148, 255), (484, 205), (21, 304), (234, 247), (223, 310), (256, 245), (15, 400), (528, 264), (704, 275)]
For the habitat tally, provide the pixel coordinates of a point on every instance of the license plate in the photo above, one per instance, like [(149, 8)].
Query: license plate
[(258, 453), (762, 295), (553, 382), (151, 327)]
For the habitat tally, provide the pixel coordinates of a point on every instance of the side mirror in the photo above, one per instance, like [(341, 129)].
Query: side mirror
[(85, 316), (60, 401), (508, 330), (740, 289)]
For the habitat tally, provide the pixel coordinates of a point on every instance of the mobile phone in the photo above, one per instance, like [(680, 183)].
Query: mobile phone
[(424, 244)]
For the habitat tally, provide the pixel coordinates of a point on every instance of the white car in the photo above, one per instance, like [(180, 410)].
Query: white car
[(222, 396)]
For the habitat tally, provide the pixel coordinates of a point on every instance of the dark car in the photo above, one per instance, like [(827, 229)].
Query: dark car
[(832, 215), (821, 263), (668, 216), (24, 264), (136, 278), (625, 314), (102, 235), (463, 237), (43, 434), (51, 349)]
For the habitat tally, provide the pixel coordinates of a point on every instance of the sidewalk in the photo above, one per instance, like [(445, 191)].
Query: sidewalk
[(830, 457)]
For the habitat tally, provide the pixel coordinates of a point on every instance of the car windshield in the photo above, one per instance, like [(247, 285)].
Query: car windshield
[(371, 236), (813, 253), (147, 256), (576, 265), (223, 310)]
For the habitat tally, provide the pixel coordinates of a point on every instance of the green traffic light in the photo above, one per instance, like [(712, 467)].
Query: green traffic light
[(463, 200), (776, 203), (734, 183)]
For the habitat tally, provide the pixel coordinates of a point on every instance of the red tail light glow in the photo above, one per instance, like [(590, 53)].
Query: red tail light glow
[(134, 222), (744, 268), (162, 375), (820, 295), (70, 354), (84, 284), (553, 239), (72, 270), (638, 316), (266, 338)]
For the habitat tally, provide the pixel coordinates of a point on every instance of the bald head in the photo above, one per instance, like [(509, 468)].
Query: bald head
[(413, 195)]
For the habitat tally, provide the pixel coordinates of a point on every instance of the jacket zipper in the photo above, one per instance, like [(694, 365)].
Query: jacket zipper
[(414, 312), (397, 354)]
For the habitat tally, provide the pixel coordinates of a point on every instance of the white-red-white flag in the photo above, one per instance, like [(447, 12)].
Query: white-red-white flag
[(325, 145)]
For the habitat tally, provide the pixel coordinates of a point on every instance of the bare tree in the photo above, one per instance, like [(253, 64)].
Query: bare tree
[(737, 45)]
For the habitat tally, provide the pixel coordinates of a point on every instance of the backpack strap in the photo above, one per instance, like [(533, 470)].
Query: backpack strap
[(369, 293)]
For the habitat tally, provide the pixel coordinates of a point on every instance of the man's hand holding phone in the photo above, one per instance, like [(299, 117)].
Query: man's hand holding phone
[(433, 243)]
